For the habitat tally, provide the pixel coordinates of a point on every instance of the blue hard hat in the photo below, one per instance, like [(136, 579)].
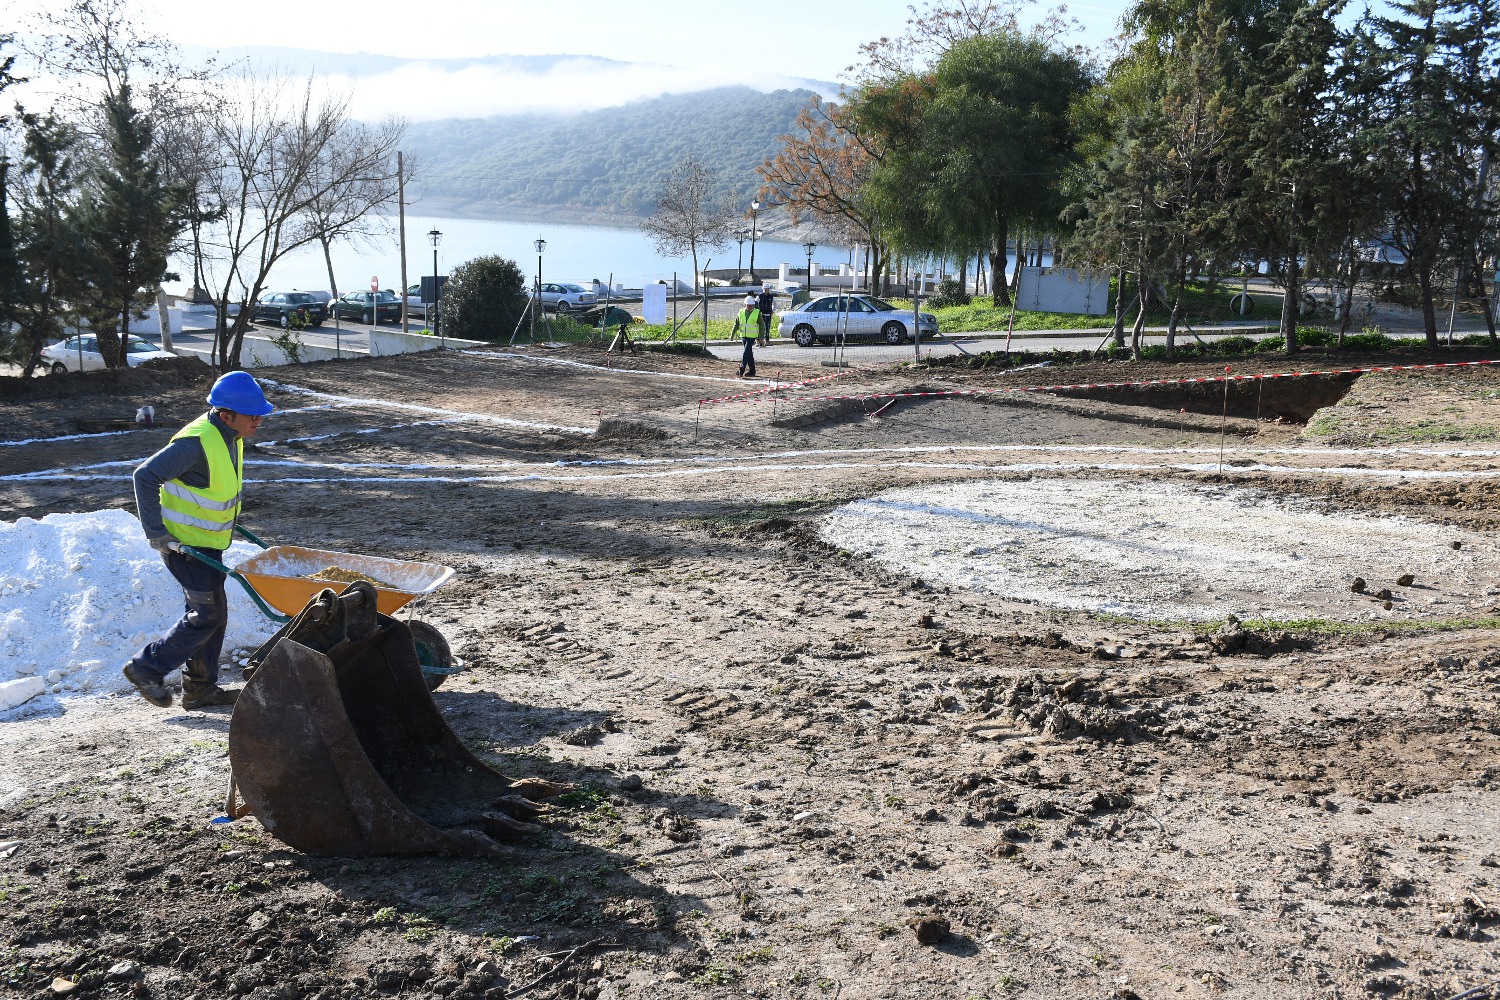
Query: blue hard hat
[(239, 392)]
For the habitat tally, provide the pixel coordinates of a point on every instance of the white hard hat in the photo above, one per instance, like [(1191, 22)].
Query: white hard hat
[(749, 300)]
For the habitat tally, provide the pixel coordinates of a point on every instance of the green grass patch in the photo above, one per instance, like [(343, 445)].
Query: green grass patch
[(979, 316), (717, 974), (743, 520), (1432, 431), (584, 799), (1347, 422), (1198, 305), (1326, 626), (1308, 626)]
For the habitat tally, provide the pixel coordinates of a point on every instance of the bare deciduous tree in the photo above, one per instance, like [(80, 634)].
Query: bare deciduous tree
[(687, 216), (328, 210), (292, 167), (822, 170), (940, 24)]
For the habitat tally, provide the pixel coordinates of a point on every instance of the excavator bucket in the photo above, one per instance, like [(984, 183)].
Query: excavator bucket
[(337, 747)]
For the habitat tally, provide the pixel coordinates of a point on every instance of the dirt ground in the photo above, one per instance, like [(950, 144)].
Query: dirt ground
[(799, 773)]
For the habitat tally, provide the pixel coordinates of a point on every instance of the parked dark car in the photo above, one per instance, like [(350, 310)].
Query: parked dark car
[(278, 308), (368, 307)]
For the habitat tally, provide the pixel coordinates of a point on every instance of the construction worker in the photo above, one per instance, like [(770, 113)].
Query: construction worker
[(189, 494), (767, 304), (746, 324)]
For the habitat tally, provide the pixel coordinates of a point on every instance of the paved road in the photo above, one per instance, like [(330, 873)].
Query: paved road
[(354, 336)]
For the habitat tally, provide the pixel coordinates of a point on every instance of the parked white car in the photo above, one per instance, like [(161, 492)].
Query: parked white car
[(857, 317), (64, 356), (415, 307)]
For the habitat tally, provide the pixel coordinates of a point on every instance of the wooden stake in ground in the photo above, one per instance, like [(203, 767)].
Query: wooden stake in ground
[(1223, 420)]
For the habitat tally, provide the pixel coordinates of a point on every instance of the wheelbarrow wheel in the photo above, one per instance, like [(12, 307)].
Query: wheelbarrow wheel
[(432, 651)]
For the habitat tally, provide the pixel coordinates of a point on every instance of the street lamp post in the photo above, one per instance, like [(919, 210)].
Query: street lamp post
[(809, 246), (536, 302), (435, 237), (754, 208), (739, 265)]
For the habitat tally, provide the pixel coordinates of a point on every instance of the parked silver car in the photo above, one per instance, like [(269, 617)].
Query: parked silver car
[(66, 355), (857, 317), (564, 297)]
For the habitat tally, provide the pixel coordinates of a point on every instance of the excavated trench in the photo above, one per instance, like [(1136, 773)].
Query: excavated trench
[(1292, 400)]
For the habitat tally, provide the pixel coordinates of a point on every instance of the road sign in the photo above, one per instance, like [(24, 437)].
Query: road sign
[(374, 283)]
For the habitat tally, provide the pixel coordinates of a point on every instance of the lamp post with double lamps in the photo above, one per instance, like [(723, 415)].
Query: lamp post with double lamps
[(536, 302), (754, 208), (739, 264), (809, 246), (435, 237)]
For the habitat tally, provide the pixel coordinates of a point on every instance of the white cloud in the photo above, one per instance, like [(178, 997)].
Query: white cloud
[(425, 90)]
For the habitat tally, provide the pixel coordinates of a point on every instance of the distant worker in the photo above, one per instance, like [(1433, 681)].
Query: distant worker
[(189, 494), (746, 324), (767, 306)]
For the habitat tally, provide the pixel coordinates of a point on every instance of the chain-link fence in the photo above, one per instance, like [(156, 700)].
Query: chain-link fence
[(840, 322)]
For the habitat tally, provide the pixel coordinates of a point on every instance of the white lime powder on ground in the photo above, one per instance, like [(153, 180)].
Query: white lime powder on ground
[(1166, 551)]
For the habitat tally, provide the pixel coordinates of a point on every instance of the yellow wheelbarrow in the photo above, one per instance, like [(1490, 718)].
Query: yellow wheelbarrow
[(281, 579)]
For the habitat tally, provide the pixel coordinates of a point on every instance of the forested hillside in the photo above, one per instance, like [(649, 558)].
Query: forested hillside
[(601, 163)]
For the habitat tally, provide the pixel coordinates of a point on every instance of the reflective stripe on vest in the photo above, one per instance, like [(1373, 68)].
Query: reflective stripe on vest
[(204, 518)]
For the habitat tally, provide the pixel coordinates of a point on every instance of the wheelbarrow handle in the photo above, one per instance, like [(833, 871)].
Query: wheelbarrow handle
[(270, 612), (246, 532)]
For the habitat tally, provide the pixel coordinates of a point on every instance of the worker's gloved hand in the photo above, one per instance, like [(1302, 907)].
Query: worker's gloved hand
[(165, 543)]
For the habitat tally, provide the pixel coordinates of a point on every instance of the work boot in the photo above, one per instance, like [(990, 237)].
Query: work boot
[(208, 697), (155, 692)]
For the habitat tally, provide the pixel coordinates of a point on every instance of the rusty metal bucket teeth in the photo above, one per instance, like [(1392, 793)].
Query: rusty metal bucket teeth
[(337, 747)]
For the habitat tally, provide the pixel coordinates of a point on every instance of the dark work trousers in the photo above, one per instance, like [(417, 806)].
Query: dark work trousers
[(747, 363), (195, 641), (765, 328)]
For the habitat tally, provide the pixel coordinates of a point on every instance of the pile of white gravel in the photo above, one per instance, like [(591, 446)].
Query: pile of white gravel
[(1168, 551), (79, 594)]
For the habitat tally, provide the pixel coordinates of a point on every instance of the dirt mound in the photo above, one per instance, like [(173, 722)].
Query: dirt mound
[(1072, 708), (142, 380)]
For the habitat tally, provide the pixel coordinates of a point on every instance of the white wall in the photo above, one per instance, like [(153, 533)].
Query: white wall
[(261, 352), (1063, 290)]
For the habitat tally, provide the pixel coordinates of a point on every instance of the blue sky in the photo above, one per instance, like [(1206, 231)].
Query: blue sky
[(670, 45), (813, 39)]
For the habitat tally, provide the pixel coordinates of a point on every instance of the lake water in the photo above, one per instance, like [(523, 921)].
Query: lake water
[(573, 253)]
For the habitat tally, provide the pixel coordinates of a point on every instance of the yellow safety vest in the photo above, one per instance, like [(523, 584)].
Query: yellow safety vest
[(747, 321), (204, 518)]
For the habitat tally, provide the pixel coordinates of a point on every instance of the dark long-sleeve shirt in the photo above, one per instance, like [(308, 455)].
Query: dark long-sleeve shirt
[(182, 460)]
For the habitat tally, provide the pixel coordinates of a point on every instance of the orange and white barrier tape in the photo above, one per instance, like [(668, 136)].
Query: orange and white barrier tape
[(742, 396)]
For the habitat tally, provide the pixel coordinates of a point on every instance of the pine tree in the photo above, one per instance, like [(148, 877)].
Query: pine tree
[(11, 286), (58, 265), (1287, 144), (1434, 64), (131, 217)]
